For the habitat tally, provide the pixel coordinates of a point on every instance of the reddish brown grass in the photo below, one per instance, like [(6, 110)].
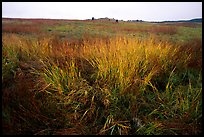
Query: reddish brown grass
[(193, 48), (17, 28), (154, 29)]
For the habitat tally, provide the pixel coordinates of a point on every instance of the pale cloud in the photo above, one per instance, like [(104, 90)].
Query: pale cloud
[(148, 11)]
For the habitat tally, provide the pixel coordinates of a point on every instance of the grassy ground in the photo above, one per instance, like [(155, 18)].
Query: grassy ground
[(86, 77)]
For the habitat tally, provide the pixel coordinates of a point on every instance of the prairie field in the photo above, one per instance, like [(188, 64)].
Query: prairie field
[(91, 77)]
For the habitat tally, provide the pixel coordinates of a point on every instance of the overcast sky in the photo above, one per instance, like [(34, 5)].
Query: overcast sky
[(147, 11)]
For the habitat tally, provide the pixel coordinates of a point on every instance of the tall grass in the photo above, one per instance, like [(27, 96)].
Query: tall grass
[(102, 84), (125, 70), (127, 61), (129, 66)]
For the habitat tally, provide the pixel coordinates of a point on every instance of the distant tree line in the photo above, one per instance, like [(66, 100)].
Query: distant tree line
[(116, 20), (135, 21)]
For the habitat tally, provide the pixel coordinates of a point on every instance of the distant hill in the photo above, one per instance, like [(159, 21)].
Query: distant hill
[(196, 20), (192, 20)]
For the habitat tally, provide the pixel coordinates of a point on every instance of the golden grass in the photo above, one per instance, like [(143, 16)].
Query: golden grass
[(126, 61), (102, 83)]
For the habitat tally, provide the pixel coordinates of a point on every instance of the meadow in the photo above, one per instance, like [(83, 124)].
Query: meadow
[(84, 77)]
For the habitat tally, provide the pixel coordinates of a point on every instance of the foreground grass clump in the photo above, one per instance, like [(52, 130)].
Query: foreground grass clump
[(122, 83), (117, 85)]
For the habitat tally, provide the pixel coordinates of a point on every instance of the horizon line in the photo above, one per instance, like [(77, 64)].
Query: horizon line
[(98, 18)]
